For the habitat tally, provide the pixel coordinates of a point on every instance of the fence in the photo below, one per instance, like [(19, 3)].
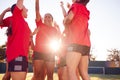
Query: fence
[(95, 67)]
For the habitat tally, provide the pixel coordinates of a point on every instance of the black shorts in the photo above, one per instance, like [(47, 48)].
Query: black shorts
[(43, 56), (19, 64), (62, 62), (84, 50)]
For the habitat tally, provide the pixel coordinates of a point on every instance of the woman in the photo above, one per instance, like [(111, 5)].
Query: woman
[(5, 24), (76, 26), (18, 42), (43, 55)]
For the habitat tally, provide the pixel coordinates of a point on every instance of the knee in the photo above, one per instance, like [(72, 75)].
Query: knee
[(71, 70), (37, 75), (50, 73)]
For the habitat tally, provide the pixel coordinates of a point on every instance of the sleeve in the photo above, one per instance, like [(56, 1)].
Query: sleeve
[(6, 22), (38, 23), (17, 12), (0, 26), (73, 9)]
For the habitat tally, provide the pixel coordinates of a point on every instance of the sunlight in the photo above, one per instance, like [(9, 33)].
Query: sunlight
[(54, 45)]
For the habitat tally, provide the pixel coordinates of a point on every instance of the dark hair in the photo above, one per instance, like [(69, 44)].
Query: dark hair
[(12, 7), (84, 2), (9, 31), (50, 15)]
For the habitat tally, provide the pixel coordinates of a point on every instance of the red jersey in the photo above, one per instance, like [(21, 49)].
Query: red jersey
[(77, 31), (18, 42), (44, 37), (6, 22)]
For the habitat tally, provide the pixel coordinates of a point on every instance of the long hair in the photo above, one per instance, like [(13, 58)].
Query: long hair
[(12, 8), (9, 29), (84, 2)]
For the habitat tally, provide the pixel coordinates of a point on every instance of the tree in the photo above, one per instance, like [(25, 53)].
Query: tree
[(2, 53), (114, 55), (92, 57)]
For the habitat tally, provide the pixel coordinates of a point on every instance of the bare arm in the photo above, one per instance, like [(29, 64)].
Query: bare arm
[(20, 4), (3, 14), (35, 31), (67, 20), (38, 17), (63, 9)]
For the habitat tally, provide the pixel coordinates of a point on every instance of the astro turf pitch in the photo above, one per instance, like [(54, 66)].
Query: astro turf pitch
[(92, 77)]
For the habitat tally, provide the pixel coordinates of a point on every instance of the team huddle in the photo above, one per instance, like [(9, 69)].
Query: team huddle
[(74, 49)]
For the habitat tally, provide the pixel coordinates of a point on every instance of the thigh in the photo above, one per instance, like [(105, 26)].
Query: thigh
[(83, 65), (38, 62), (75, 53), (50, 66), (62, 73), (38, 66), (72, 60), (18, 75), (50, 62)]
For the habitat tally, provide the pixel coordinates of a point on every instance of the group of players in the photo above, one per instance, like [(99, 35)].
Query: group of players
[(73, 52)]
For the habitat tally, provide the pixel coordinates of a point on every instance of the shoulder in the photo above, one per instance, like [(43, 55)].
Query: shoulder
[(17, 10)]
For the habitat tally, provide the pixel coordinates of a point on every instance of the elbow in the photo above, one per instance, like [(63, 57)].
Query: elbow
[(1, 22)]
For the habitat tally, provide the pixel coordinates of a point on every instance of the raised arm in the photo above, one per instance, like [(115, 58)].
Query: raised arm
[(35, 31), (67, 20), (63, 9), (20, 4), (3, 14), (38, 17), (37, 10)]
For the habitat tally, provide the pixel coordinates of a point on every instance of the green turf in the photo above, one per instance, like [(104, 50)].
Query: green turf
[(105, 77), (92, 76)]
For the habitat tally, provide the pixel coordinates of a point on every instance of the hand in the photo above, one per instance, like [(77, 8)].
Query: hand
[(68, 5), (61, 3)]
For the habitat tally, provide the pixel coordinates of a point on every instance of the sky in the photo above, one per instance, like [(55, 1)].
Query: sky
[(104, 22)]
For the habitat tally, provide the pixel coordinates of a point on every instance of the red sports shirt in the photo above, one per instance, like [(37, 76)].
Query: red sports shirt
[(44, 37), (77, 31), (18, 42)]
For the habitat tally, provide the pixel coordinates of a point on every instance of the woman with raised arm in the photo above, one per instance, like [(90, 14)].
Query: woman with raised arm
[(18, 42), (62, 68), (5, 23), (76, 26), (43, 54)]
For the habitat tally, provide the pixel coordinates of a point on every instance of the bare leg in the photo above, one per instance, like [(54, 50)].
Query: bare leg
[(38, 69), (7, 75), (78, 75), (83, 67), (18, 75), (62, 73), (50, 70), (72, 60)]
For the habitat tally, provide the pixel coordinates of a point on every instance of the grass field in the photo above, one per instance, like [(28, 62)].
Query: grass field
[(92, 76)]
